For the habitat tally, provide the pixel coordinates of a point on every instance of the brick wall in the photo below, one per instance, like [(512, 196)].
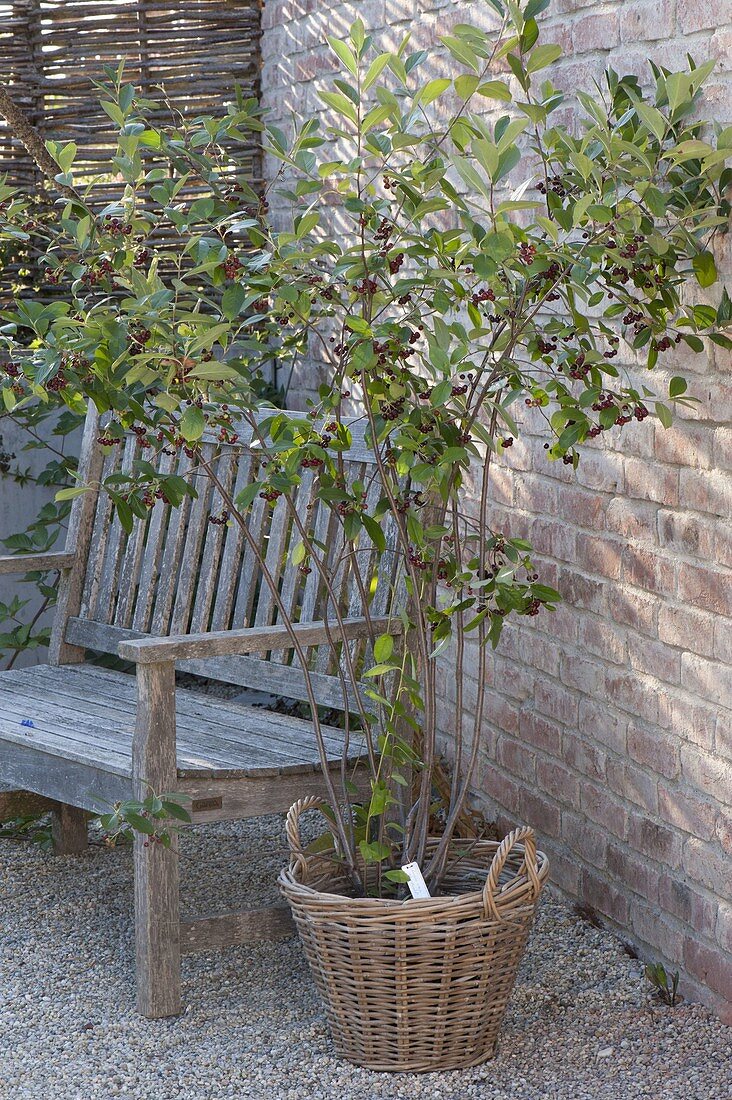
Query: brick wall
[(610, 722)]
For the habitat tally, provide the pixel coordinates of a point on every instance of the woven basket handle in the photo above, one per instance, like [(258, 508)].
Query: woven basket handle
[(524, 836), (298, 859)]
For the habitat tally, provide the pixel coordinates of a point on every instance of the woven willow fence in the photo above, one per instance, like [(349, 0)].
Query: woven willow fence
[(51, 50)]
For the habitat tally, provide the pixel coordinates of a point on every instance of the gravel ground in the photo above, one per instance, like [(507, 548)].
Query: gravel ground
[(581, 1025)]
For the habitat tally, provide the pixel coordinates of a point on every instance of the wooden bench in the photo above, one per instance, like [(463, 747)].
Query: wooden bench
[(179, 591)]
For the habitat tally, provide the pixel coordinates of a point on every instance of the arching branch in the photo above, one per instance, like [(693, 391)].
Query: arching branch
[(30, 138)]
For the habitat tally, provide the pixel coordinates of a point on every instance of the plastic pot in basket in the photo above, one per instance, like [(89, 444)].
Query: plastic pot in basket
[(420, 984)]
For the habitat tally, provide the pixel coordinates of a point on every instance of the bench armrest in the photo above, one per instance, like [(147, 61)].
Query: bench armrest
[(25, 563), (256, 639)]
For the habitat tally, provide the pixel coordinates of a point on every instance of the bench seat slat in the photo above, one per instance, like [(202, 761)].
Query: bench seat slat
[(86, 714)]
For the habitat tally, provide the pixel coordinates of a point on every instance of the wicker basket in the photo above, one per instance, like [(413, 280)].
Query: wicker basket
[(417, 985)]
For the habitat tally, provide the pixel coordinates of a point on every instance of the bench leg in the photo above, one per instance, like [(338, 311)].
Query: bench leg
[(157, 928), (69, 830)]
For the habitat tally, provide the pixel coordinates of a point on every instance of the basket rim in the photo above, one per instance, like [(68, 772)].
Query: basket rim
[(289, 880)]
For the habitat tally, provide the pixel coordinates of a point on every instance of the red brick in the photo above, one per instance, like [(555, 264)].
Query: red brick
[(517, 759), (654, 840), (722, 642), (565, 871), (599, 555), (584, 592), (723, 932), (686, 812), (633, 693), (540, 732), (648, 570), (602, 472), (583, 838), (646, 22), (723, 544), (602, 638), (605, 898), (708, 679), (531, 648), (584, 757), (502, 713), (648, 481), (632, 519), (707, 864), (537, 495), (709, 589), (684, 627), (636, 609), (600, 807), (655, 750), (684, 444), (582, 674), (723, 436), (689, 720), (557, 540), (638, 875), (540, 813), (582, 508), (650, 928), (314, 66), (706, 491), (685, 533), (553, 700), (633, 785), (499, 787), (596, 32), (707, 773), (655, 659), (558, 782), (598, 723), (687, 903), (708, 965), (723, 831), (701, 14)]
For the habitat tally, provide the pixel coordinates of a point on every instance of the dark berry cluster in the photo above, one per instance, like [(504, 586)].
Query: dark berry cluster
[(232, 267), (116, 228), (484, 295)]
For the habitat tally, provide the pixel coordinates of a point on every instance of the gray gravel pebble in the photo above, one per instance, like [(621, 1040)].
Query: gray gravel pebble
[(581, 1025)]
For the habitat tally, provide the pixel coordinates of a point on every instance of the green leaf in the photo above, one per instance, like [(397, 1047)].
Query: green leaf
[(677, 386), (430, 92), (139, 823), (375, 70), (70, 494), (543, 56), (664, 414), (232, 300), (306, 223), (465, 85), (383, 648), (374, 852), (396, 876), (375, 533), (174, 809), (652, 119), (192, 424), (378, 670), (345, 53), (705, 268), (495, 89)]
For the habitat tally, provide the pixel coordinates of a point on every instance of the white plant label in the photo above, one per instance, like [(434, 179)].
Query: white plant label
[(417, 885)]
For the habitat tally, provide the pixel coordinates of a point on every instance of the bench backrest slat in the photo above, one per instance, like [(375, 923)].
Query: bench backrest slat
[(177, 572)]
